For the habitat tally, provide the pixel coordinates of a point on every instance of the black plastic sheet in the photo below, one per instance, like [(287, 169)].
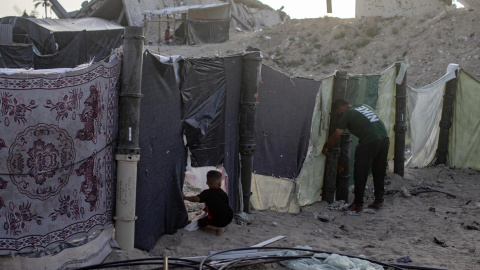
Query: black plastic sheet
[(204, 91), (284, 117), (16, 56), (204, 31), (68, 42), (161, 170)]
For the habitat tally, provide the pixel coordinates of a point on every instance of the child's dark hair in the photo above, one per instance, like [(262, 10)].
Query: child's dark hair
[(340, 103), (214, 176)]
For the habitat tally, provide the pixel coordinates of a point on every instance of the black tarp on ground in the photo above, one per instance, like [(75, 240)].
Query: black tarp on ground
[(284, 116), (78, 40), (204, 91), (16, 56), (161, 170)]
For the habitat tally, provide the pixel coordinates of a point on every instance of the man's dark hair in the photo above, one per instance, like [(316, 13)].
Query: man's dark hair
[(214, 175), (340, 103)]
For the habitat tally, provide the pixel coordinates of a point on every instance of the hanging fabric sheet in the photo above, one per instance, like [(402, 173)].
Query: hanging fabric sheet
[(57, 172), (287, 195), (385, 106), (161, 170), (283, 122), (464, 142), (310, 179), (425, 111)]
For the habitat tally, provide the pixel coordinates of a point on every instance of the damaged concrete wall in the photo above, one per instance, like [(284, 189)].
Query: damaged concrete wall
[(391, 8), (255, 18)]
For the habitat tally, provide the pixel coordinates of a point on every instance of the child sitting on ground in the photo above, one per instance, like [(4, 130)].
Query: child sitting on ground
[(219, 213)]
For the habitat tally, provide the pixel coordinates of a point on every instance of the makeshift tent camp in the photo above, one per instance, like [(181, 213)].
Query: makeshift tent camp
[(203, 23), (245, 17), (66, 42)]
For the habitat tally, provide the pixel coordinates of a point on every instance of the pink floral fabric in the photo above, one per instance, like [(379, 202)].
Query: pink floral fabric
[(56, 155)]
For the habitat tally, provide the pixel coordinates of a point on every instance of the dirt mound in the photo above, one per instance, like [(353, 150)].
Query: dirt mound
[(316, 47)]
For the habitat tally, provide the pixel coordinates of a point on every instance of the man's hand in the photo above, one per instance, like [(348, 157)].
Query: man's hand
[(325, 150), (332, 140)]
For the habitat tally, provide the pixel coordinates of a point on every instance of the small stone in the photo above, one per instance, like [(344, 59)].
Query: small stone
[(409, 177), (275, 224), (405, 192), (324, 217)]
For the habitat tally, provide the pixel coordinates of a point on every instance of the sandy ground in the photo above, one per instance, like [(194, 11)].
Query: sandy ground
[(407, 226)]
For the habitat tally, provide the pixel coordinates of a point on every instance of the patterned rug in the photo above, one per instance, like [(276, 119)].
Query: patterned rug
[(56, 155)]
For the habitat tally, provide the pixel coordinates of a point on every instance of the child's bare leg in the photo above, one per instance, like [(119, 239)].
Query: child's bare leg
[(219, 231)]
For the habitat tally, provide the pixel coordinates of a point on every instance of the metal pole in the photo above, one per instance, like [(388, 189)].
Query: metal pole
[(343, 172), (251, 72), (446, 120), (400, 127), (59, 10), (331, 164), (128, 151)]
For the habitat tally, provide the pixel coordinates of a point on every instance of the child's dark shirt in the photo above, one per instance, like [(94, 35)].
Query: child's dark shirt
[(219, 212)]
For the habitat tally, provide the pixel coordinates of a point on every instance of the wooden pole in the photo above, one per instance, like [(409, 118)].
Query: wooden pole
[(173, 29)]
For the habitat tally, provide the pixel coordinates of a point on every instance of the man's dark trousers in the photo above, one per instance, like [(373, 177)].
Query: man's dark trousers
[(372, 155)]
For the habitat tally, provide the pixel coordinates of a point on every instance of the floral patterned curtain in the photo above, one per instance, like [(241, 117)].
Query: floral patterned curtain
[(57, 132)]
